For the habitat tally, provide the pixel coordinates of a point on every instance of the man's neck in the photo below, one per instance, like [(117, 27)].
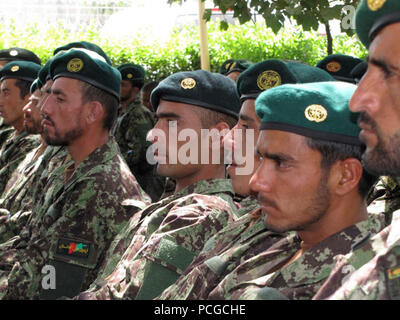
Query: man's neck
[(82, 147), (18, 125), (207, 173), (342, 214), (126, 103)]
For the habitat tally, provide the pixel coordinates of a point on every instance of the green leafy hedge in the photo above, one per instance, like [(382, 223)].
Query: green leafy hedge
[(181, 51)]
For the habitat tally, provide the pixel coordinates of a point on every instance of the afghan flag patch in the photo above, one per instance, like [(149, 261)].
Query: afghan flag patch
[(71, 248), (393, 281)]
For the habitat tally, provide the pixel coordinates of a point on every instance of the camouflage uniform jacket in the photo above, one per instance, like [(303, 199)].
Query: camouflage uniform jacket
[(131, 132), (370, 272), (385, 197), (13, 152), (240, 240), (168, 239), (72, 227), (23, 188), (5, 131), (302, 278)]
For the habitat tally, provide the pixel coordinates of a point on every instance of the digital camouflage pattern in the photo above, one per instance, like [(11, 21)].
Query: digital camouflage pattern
[(13, 151), (24, 186), (5, 131), (172, 233), (385, 197), (370, 272), (240, 240), (130, 133), (302, 278), (73, 225)]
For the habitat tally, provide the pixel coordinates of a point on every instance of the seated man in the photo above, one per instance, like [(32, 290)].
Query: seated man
[(194, 110), (311, 183), (85, 201), (248, 235), (16, 78)]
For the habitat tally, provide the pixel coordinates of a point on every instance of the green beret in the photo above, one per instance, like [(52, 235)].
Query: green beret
[(34, 86), (232, 65), (373, 15), (317, 110), (84, 45), (131, 71), (15, 53), (24, 70), (200, 88), (273, 72), (359, 70), (44, 74), (87, 66), (339, 66)]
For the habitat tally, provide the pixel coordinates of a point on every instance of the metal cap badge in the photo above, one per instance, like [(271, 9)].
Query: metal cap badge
[(188, 83), (316, 113), (375, 5), (268, 79), (333, 66), (75, 65)]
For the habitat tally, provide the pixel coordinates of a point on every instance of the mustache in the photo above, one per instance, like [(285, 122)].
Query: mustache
[(265, 201), (366, 119), (46, 117)]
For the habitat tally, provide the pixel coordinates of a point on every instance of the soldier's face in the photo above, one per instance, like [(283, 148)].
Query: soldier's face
[(61, 112), (145, 98), (237, 142), (378, 99), (173, 120), (290, 185), (32, 120), (126, 90), (11, 103)]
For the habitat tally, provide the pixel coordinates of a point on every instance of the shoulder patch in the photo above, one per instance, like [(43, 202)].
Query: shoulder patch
[(393, 282), (73, 249)]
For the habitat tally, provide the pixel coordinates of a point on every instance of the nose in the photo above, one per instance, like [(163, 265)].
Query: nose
[(367, 97), (27, 108), (260, 180), (228, 140)]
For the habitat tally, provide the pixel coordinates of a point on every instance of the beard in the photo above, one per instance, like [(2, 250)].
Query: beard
[(384, 158), (320, 203), (64, 140)]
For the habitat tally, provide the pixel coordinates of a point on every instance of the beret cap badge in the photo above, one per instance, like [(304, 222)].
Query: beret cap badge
[(14, 68), (268, 79), (316, 113), (188, 83), (13, 53), (75, 65), (129, 75), (375, 5), (333, 66)]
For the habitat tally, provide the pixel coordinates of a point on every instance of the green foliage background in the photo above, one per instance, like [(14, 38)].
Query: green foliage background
[(181, 51)]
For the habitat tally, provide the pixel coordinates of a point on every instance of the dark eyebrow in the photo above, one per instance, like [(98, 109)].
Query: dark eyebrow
[(245, 118), (275, 156), (167, 115), (57, 92), (387, 67)]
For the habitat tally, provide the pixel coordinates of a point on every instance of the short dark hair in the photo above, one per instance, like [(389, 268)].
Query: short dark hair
[(108, 101), (148, 87), (210, 118), (334, 151), (24, 87)]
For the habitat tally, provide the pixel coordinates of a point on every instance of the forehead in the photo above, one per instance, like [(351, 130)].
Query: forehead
[(248, 110), (287, 143), (182, 110), (67, 86), (386, 46), (8, 83)]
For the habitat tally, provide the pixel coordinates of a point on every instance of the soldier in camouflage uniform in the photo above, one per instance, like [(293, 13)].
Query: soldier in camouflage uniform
[(247, 236), (160, 243), (326, 213), (7, 55), (134, 123), (371, 271), (85, 202), (16, 78)]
